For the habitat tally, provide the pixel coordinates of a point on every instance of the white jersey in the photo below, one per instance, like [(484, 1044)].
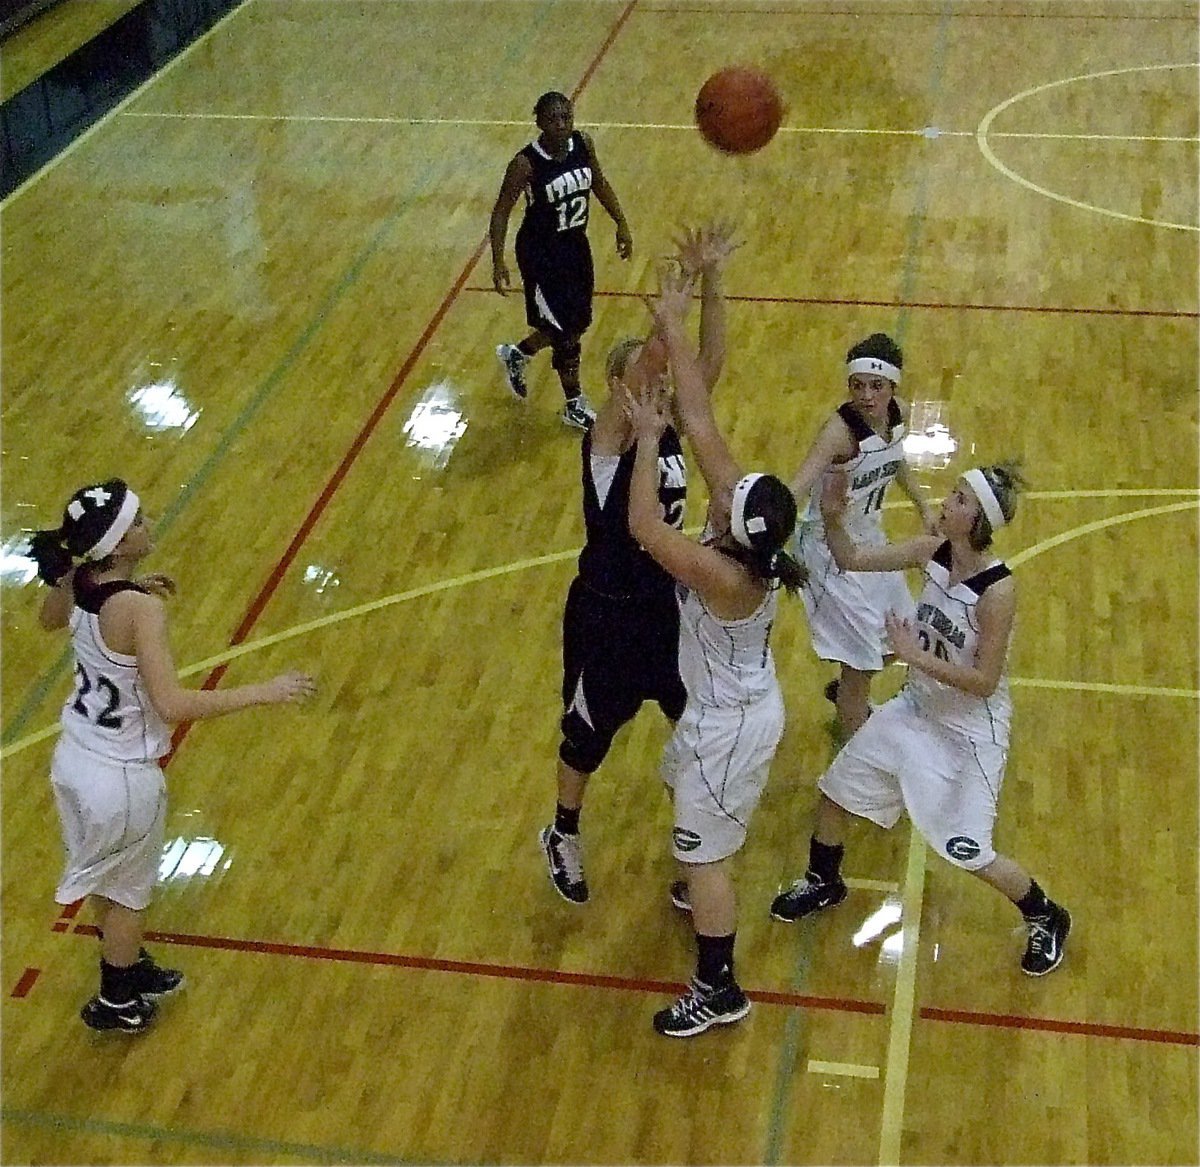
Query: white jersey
[(109, 713), (869, 474), (726, 664), (948, 627)]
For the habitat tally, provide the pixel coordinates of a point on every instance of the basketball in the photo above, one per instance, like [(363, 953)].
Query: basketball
[(738, 110)]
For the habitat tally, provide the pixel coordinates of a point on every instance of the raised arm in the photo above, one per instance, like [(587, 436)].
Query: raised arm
[(714, 576), (702, 254), (156, 665), (516, 178), (607, 197), (995, 612), (852, 556), (910, 488), (833, 444), (713, 456)]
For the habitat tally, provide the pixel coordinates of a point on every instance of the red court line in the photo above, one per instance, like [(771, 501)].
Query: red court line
[(356, 446), (26, 982), (1050, 1025), (938, 305), (480, 969)]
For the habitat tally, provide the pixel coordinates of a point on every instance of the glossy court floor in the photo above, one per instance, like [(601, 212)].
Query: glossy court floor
[(258, 289)]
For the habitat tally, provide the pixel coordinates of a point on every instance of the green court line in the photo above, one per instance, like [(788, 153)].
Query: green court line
[(218, 1140)]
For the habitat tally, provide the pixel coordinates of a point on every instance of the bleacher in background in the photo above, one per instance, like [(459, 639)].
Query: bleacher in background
[(42, 118)]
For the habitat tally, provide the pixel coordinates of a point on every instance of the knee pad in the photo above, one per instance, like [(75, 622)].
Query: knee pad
[(565, 357), (582, 748)]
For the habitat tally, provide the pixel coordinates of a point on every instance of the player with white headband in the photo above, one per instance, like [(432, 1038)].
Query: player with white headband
[(937, 749), (845, 610), (108, 785), (718, 759)]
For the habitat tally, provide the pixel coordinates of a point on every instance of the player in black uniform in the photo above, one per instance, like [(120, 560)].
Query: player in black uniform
[(557, 172), (621, 623)]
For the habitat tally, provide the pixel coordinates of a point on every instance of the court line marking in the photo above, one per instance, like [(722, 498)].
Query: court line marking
[(926, 132), (233, 652), (79, 139), (981, 139), (848, 1069)]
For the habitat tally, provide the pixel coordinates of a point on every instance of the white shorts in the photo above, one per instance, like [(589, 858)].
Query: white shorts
[(717, 763), (112, 816), (950, 785), (846, 608)]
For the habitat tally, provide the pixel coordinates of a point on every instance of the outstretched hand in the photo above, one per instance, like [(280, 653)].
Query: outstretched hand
[(157, 583), (674, 296), (706, 248), (289, 688), (648, 409), (903, 636)]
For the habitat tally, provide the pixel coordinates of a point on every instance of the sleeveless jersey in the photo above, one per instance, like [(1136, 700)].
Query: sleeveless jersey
[(109, 713), (947, 626), (726, 664), (557, 197), (612, 563), (869, 472)]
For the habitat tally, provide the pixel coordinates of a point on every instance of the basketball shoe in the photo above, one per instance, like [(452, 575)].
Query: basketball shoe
[(564, 861), (806, 896), (702, 1007), (131, 1016), (1047, 941), (578, 412), (514, 362), (152, 980)]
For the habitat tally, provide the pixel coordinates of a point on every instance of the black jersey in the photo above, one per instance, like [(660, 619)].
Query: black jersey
[(557, 198), (612, 563)]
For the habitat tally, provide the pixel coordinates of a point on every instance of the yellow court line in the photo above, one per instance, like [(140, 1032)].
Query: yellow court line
[(689, 127), (981, 139), (233, 653), (75, 143), (904, 999), (847, 1069)]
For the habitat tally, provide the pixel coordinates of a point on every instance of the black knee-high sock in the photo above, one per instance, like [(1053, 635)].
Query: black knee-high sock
[(714, 964), (825, 860)]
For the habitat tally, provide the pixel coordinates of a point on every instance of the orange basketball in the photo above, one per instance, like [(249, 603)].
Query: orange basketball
[(738, 110)]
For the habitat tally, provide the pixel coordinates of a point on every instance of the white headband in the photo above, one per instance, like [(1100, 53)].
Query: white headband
[(873, 365), (744, 529), (107, 542), (978, 482)]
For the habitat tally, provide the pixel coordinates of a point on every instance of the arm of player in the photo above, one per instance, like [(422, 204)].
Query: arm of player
[(516, 179), (995, 612), (607, 198), (833, 444), (702, 254), (715, 576), (55, 612), (852, 556), (717, 464), (174, 703)]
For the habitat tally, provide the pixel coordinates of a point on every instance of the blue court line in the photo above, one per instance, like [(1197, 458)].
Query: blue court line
[(795, 1026), (42, 686), (218, 1140)]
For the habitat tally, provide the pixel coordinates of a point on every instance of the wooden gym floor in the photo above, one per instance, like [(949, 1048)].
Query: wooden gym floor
[(256, 291)]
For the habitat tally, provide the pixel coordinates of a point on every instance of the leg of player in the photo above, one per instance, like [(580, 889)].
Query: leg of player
[(577, 411), (1048, 923), (714, 997), (560, 841), (514, 357), (853, 699), (822, 885)]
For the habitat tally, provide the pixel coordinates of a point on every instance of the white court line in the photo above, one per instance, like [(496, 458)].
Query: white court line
[(848, 1069), (873, 884), (336, 119)]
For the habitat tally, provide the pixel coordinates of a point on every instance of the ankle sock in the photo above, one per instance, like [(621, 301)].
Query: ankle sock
[(825, 860), (566, 819)]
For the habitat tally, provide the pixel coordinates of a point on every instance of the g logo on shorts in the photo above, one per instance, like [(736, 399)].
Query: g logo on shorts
[(689, 841), (962, 848)]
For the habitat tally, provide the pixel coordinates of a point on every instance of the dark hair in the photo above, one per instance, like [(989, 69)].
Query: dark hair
[(880, 346), (770, 499), (548, 100), (1006, 482), (84, 523)]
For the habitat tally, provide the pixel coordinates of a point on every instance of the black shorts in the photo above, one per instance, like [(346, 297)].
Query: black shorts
[(559, 282), (617, 654)]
